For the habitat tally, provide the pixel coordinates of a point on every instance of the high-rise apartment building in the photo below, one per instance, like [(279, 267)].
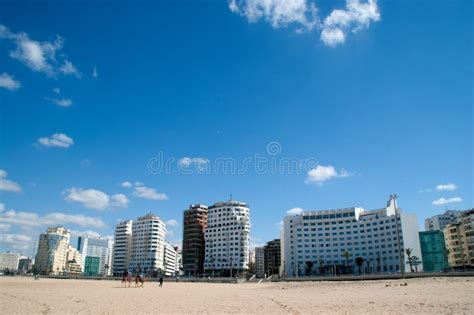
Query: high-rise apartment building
[(459, 240), (227, 237), (272, 251), (52, 251), (314, 241), (193, 250), (122, 247), (9, 261), (90, 246), (259, 262), (170, 260), (439, 222), (148, 245)]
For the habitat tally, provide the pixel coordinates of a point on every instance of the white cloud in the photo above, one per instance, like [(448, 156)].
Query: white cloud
[(334, 28), (322, 173), (68, 68), (126, 184), (16, 241), (95, 199), (2, 207), (46, 57), (119, 200), (446, 187), (75, 233), (90, 198), (58, 140), (4, 227), (6, 184), (149, 193), (8, 82), (279, 13), (94, 72), (355, 17), (444, 201), (57, 91), (172, 222), (31, 219), (63, 102), (294, 211)]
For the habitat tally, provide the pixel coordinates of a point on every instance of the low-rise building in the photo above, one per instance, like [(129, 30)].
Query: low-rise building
[(73, 261), (25, 264), (433, 251), (9, 261), (459, 240), (92, 266)]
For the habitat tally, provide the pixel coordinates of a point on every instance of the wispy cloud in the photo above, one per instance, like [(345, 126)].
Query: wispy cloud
[(8, 185), (141, 191), (444, 201), (95, 199), (172, 222), (46, 56), (94, 72), (58, 140), (17, 242), (8, 82), (303, 14), (446, 187), (320, 174), (63, 102)]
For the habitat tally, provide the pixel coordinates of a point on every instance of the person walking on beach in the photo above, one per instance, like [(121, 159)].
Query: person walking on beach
[(161, 281)]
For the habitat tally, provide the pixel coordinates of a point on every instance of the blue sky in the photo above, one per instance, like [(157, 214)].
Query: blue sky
[(367, 98)]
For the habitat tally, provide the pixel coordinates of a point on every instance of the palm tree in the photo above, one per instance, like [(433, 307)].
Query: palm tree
[(346, 254), (409, 251), (321, 265), (359, 261), (309, 267)]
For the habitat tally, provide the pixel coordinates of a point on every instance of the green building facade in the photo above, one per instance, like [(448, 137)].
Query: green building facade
[(92, 266), (433, 251)]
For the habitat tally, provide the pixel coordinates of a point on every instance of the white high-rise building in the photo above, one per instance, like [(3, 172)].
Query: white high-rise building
[(52, 252), (122, 248), (148, 245), (227, 237), (440, 221), (259, 262), (170, 259), (314, 241), (90, 246), (9, 261)]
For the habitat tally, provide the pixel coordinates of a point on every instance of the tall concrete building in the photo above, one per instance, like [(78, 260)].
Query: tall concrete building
[(122, 248), (439, 222), (90, 246), (52, 251), (259, 262), (272, 251), (193, 250), (313, 242), (9, 261), (170, 260), (459, 240), (227, 237), (148, 245), (433, 251)]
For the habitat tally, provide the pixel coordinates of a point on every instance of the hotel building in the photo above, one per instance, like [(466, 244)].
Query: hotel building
[(90, 246), (171, 260), (459, 240), (317, 239), (52, 251), (122, 247), (433, 251), (193, 250), (227, 237), (148, 245)]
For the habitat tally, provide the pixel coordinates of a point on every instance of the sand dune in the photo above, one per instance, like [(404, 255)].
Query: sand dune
[(51, 296)]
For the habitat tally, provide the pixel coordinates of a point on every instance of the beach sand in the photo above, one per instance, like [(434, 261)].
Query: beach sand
[(53, 296)]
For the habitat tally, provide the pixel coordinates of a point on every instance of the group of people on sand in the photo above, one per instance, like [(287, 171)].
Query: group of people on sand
[(139, 279)]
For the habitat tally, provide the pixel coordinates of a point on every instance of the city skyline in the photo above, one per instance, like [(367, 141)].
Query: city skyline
[(364, 111)]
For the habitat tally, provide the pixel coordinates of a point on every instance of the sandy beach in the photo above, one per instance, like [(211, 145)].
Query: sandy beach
[(52, 296)]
